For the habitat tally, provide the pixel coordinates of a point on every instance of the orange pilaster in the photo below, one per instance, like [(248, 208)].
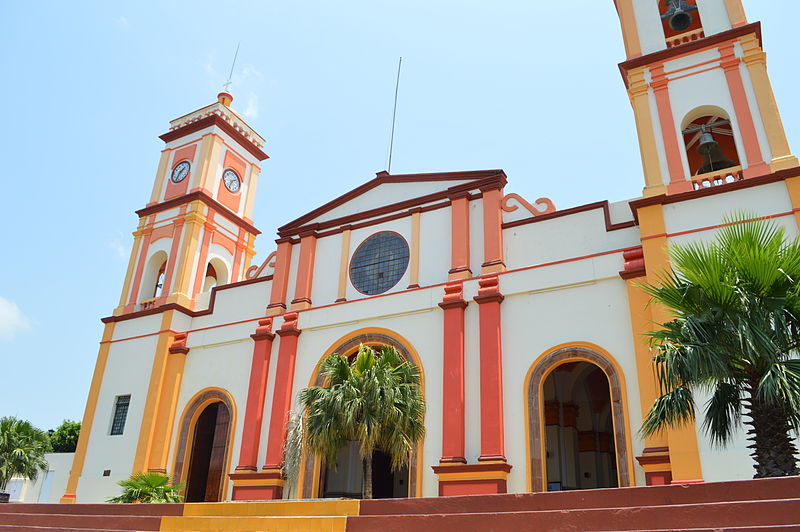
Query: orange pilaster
[(200, 275), (280, 280), (672, 147), (177, 229), (137, 279), (256, 394), (459, 210), (453, 305), (752, 149), (282, 396), (305, 271), (491, 367), (492, 231)]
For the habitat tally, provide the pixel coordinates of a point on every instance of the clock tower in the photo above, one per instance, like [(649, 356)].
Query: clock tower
[(196, 231)]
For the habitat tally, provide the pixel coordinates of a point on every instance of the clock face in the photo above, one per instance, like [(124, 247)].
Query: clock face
[(180, 171), (231, 180)]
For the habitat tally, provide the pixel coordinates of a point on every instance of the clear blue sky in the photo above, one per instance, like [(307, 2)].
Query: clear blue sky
[(87, 87)]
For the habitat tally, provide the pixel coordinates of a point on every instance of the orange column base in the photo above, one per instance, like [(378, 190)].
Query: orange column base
[(656, 465), (472, 479), (264, 486), (68, 498)]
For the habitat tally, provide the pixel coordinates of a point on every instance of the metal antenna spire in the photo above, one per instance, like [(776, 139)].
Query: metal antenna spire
[(227, 84), (394, 115)]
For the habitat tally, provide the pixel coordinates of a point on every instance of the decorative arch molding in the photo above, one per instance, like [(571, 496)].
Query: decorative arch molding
[(534, 383), (311, 466), (188, 420)]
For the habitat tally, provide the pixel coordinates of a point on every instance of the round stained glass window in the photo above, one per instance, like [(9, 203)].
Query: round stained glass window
[(379, 263)]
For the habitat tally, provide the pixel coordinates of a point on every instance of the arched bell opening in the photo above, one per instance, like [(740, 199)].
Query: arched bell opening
[(710, 144), (216, 274), (679, 17), (576, 421), (319, 480), (153, 279), (204, 447)]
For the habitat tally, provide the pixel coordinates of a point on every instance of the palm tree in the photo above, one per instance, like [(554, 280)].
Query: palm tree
[(734, 335), (148, 488), (22, 448), (374, 399)]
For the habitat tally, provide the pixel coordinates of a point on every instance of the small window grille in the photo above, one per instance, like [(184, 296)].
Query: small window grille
[(120, 414)]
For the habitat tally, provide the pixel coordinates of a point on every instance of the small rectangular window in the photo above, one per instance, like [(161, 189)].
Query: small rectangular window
[(120, 414)]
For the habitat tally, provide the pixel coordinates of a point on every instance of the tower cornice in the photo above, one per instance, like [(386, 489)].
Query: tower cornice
[(199, 195), (693, 46), (201, 121)]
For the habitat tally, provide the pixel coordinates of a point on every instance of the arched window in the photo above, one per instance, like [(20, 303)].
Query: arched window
[(216, 274), (710, 144), (153, 279)]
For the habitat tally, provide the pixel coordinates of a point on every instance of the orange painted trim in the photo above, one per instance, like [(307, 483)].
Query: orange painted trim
[(126, 284), (669, 135), (226, 242), (177, 232), (413, 262), (491, 368), (744, 116), (344, 257), (280, 280), (163, 231), (282, 392), (460, 256), (526, 386), (185, 153), (453, 410), (167, 404), (137, 279), (256, 396), (240, 245), (154, 393), (232, 200), (630, 33), (305, 272), (736, 13), (493, 260), (202, 258), (89, 413)]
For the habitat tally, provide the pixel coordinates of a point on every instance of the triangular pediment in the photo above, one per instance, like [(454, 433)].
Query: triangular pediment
[(387, 194)]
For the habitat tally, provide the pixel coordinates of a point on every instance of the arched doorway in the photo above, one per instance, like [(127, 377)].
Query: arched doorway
[(579, 445), (204, 447), (319, 480), (577, 421)]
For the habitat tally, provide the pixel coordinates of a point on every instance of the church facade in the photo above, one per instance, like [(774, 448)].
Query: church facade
[(526, 322)]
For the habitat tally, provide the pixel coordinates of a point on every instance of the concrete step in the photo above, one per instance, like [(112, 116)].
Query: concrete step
[(326, 507), (19, 528), (744, 490), (92, 509), (336, 523), (672, 517), (62, 521)]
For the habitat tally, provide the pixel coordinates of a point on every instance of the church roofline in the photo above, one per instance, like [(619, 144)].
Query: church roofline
[(480, 179)]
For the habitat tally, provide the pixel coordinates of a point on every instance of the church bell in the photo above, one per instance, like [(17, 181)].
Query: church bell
[(679, 14), (712, 154)]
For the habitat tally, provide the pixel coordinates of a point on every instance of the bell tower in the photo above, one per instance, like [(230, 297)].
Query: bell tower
[(196, 231), (697, 80)]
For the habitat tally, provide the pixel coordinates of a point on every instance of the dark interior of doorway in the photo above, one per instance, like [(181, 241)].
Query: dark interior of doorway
[(386, 484), (206, 465)]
